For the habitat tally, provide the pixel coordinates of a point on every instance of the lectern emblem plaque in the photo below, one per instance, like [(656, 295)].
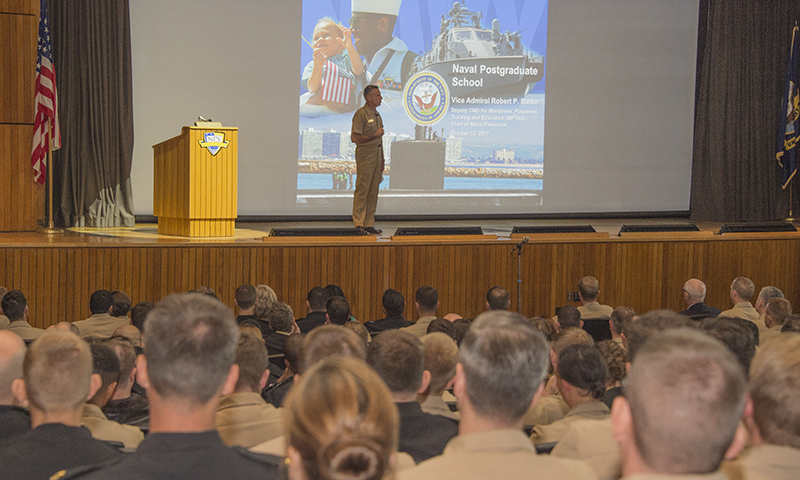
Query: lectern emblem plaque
[(214, 141)]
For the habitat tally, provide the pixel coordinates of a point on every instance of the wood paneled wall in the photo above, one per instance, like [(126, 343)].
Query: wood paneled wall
[(21, 198), (643, 275)]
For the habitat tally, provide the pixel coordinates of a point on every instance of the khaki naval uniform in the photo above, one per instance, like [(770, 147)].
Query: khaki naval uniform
[(4, 322), (245, 419), (495, 454), (556, 430), (742, 310), (100, 325), (25, 331), (765, 462), (420, 328), (546, 411), (369, 162), (772, 332), (761, 324), (594, 310), (592, 441), (102, 428), (718, 475), (435, 405)]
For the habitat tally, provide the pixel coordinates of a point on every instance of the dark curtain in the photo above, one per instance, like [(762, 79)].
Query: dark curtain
[(742, 55), (92, 54)]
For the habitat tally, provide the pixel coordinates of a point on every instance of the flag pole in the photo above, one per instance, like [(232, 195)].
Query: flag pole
[(51, 228), (791, 218)]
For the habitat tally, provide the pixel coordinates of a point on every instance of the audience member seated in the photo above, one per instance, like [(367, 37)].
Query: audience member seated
[(694, 294), (742, 290), (104, 382), (122, 304), (315, 302), (243, 417), (588, 291), (615, 357), (359, 329), (281, 323), (187, 367), (498, 298), (543, 325), (764, 296), (551, 406), (772, 414), (442, 326), (129, 333), (101, 324), (399, 359), (393, 307), (337, 311), (14, 420), (791, 324), (126, 406), (684, 397), (56, 381), (503, 362), (245, 302), (341, 424), (426, 301), (778, 309), (4, 321), (265, 298), (138, 315), (616, 323), (292, 354), (461, 327), (15, 307), (581, 375), (568, 317), (735, 334), (441, 356)]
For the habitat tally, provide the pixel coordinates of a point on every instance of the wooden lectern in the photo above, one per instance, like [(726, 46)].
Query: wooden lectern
[(195, 182)]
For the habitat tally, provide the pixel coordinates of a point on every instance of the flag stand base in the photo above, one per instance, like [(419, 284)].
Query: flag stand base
[(50, 231)]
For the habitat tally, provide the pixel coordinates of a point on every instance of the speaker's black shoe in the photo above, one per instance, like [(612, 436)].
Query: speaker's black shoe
[(373, 230)]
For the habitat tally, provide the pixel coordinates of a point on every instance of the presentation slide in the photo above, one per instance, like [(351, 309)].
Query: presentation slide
[(490, 107), (463, 99)]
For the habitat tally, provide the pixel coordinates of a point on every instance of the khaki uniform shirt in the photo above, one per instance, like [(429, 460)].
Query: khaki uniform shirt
[(420, 328), (742, 310), (546, 411), (435, 405), (718, 475), (245, 419), (100, 325), (765, 462), (592, 441), (556, 430), (761, 324), (773, 332), (4, 322), (594, 310), (104, 429), (501, 454), (25, 331)]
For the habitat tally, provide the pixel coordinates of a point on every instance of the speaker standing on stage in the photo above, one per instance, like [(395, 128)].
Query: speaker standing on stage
[(367, 134)]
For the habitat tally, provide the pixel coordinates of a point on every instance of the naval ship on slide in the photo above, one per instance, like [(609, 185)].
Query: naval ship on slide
[(477, 61)]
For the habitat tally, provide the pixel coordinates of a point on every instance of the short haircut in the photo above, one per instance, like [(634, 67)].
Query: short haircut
[(650, 323), (461, 327), (342, 421), (570, 336), (505, 360), (619, 316), (543, 325), (778, 309), (368, 89), (399, 359), (686, 396), (265, 297), (252, 358), (317, 298), (246, 296), (191, 345), (139, 313), (775, 387), (584, 368), (696, 289), (293, 351), (744, 288), (427, 298), (569, 316), (393, 302), (498, 298), (68, 326), (791, 324), (122, 304), (334, 290), (126, 356), (280, 317), (589, 288), (441, 357), (100, 301), (57, 371), (443, 326), (735, 335), (359, 329), (106, 364), (250, 327), (338, 310), (330, 341), (10, 365), (615, 357), (129, 333), (769, 292), (13, 305)]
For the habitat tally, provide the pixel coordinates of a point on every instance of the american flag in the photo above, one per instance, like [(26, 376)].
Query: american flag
[(45, 122), (336, 84)]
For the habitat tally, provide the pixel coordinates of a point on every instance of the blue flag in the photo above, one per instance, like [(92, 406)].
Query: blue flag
[(790, 113)]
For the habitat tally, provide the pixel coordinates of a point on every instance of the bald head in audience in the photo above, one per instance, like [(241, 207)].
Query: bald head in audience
[(12, 352), (683, 400), (131, 333), (69, 327), (498, 298), (694, 291)]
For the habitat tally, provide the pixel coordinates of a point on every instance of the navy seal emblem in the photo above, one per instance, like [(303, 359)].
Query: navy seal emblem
[(426, 98)]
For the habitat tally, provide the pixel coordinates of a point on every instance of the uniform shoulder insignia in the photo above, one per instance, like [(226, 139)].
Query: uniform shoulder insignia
[(79, 472), (58, 475), (263, 458)]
